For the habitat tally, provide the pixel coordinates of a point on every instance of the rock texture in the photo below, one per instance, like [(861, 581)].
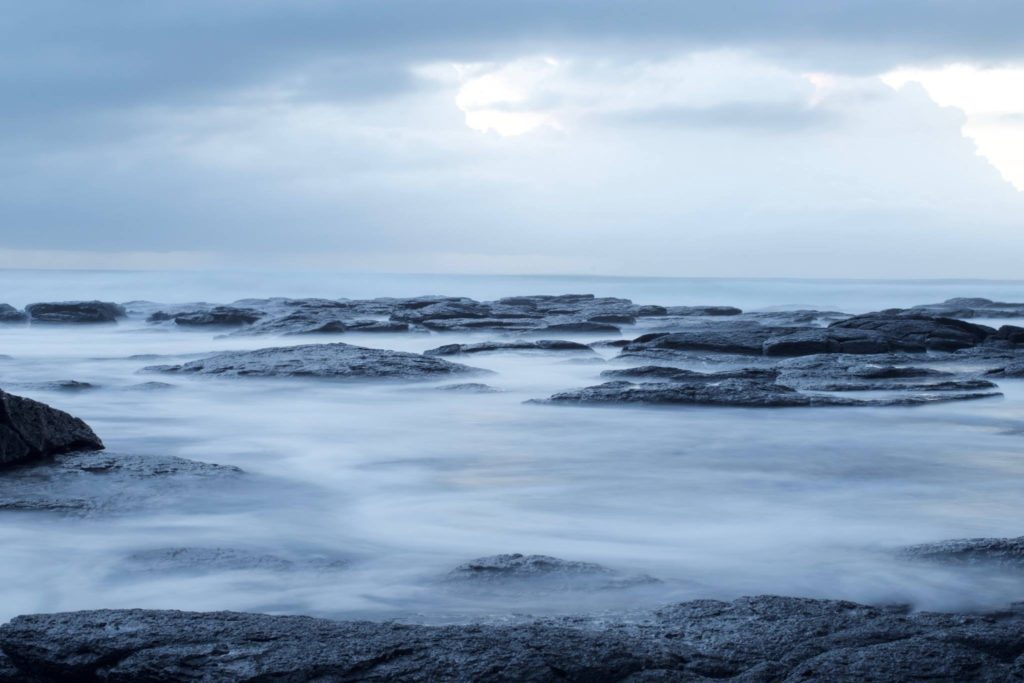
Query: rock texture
[(543, 345), (31, 430), (333, 361), (197, 560), (10, 314), (86, 483), (986, 552), (909, 331), (75, 312), (540, 572), (750, 639), (972, 307)]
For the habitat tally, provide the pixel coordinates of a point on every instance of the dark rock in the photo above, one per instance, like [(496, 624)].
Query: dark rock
[(656, 372), (702, 310), (1012, 334), (75, 312), (542, 572), (763, 638), (972, 307), (86, 483), (195, 560), (10, 314), (542, 345), (218, 316), (992, 552), (470, 388), (613, 318), (333, 361), (30, 430), (59, 385), (377, 326), (826, 340), (444, 310), (582, 327), (734, 337), (731, 392), (149, 386), (845, 372), (609, 344), (471, 324), (918, 332), (1011, 370)]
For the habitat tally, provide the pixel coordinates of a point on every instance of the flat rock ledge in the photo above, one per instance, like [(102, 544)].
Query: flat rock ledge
[(31, 430), (330, 361), (762, 638)]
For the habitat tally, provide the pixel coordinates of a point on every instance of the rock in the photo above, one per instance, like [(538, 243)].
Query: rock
[(443, 310), (75, 312), (586, 327), (918, 332), (972, 307), (470, 388), (10, 314), (764, 638), (702, 310), (333, 361), (734, 337), (86, 483), (1011, 370), (30, 430), (474, 324), (59, 385), (826, 340), (194, 560), (541, 572), (613, 318), (730, 392), (845, 372), (1011, 334), (149, 386), (388, 326), (218, 316), (543, 345), (658, 372), (994, 552)]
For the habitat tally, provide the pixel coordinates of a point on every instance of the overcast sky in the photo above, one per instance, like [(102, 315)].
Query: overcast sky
[(725, 138)]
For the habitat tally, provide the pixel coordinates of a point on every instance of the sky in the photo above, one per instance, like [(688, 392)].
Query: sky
[(821, 138)]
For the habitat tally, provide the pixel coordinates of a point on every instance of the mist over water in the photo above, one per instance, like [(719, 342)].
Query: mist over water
[(401, 482)]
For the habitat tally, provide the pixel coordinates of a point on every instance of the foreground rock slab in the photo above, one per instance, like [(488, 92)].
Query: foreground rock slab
[(333, 361), (751, 639), (984, 552), (31, 430)]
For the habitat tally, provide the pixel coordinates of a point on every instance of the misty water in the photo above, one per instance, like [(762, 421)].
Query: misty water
[(401, 482)]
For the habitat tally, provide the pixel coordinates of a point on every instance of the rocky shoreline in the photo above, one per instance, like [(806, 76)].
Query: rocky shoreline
[(52, 462)]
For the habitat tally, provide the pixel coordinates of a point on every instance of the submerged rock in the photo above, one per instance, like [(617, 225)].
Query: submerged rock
[(197, 560), (84, 483), (991, 552), (541, 572), (333, 361), (750, 639), (544, 345), (31, 430), (470, 388), (75, 312)]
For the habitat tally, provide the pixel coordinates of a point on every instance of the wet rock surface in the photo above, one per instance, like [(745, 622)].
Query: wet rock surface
[(10, 314), (199, 560), (908, 331), (750, 639), (75, 312), (31, 430), (972, 307), (985, 552), (542, 345), (332, 361), (86, 483), (540, 572), (1011, 370)]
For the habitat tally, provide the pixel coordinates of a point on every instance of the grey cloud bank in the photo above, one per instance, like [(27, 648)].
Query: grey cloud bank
[(662, 138)]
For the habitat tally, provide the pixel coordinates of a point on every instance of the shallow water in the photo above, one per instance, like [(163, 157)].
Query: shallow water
[(405, 482)]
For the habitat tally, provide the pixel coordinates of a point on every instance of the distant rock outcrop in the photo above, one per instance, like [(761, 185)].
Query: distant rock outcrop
[(75, 312)]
